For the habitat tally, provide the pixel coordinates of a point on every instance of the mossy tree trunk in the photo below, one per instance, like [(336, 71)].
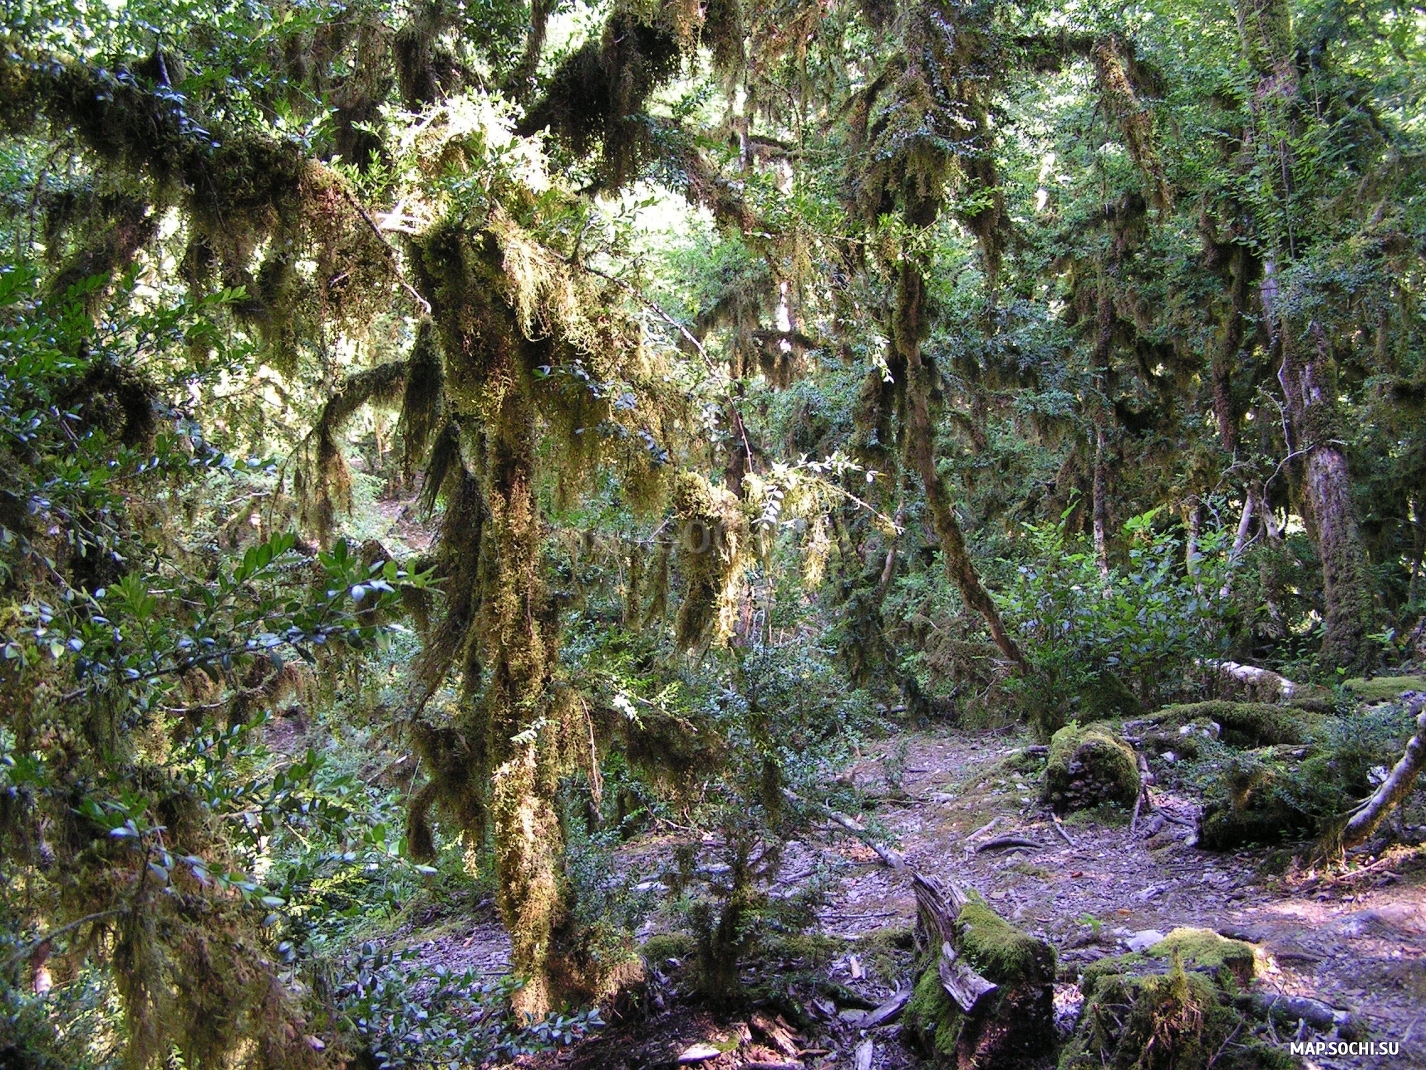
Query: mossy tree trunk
[(920, 448), (518, 633), (1306, 369)]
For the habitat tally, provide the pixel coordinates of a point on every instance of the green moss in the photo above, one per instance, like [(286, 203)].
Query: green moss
[(1182, 1020), (1000, 951), (1103, 766), (1106, 695), (1011, 1026), (1244, 724), (1384, 688), (1209, 950), (931, 1015), (886, 950), (1255, 802), (664, 946), (1230, 963)]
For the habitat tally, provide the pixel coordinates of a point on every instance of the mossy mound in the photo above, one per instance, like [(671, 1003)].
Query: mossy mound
[(1244, 724), (1231, 964), (1384, 688), (1182, 1019), (1106, 695), (1013, 1024), (1255, 804), (1089, 766)]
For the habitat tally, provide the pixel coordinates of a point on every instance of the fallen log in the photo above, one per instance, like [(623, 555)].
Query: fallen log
[(1264, 684), (1292, 1009), (1394, 788)]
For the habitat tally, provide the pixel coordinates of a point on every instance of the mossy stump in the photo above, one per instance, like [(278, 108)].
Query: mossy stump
[(1013, 1023), (1171, 1006), (1089, 766)]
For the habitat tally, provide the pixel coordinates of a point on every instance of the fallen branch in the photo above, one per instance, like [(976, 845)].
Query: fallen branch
[(1061, 829), (1394, 788), (886, 854), (1002, 842), (887, 1012)]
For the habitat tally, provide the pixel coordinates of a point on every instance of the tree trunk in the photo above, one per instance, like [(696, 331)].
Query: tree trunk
[(1310, 392), (1101, 506), (517, 630), (1226, 356), (920, 446), (1306, 373)]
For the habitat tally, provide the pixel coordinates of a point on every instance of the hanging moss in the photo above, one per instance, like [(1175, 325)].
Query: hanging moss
[(422, 405), (712, 545), (598, 94), (322, 483)]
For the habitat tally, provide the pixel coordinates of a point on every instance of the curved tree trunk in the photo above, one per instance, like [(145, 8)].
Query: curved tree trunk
[(920, 448)]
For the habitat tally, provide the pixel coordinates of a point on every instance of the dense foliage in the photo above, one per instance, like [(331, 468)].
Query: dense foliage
[(439, 441)]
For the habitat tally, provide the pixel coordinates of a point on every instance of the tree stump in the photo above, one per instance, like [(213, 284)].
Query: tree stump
[(984, 994)]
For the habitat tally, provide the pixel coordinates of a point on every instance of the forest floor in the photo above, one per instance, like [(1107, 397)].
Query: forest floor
[(1353, 938)]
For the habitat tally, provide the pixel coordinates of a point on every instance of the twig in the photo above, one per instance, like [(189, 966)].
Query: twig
[(1061, 829), (412, 292), (31, 947), (984, 828), (890, 857)]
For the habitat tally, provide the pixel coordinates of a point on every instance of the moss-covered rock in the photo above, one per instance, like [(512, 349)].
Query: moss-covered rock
[(1088, 766), (1136, 1017), (1384, 688), (1244, 724), (1011, 1025), (1231, 964)]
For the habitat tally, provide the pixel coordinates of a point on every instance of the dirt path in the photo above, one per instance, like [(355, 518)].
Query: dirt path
[(1355, 941)]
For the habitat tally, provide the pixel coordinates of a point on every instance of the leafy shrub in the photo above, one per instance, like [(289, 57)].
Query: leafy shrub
[(1087, 634), (402, 1016)]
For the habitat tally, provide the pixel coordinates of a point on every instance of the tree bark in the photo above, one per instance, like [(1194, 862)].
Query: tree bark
[(1306, 373), (920, 446), (1310, 392)]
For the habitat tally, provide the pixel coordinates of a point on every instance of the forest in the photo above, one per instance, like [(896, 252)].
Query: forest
[(818, 534)]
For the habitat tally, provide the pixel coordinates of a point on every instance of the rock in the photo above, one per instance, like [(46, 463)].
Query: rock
[(1144, 939), (1089, 766)]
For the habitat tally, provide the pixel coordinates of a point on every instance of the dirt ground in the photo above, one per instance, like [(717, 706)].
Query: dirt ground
[(1354, 939)]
